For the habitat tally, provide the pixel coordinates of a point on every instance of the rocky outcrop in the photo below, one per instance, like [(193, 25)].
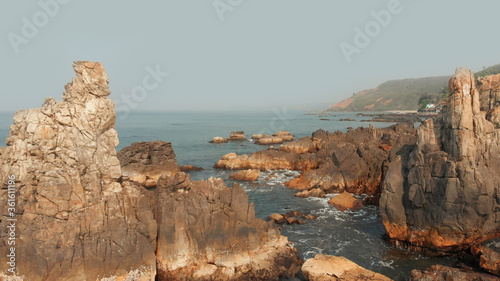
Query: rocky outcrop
[(355, 161), (237, 135), (219, 140), (445, 273), (284, 135), (267, 160), (269, 140), (277, 218), (444, 193), (331, 268), (145, 162), (259, 136), (73, 215), (345, 201), (246, 175), (208, 231)]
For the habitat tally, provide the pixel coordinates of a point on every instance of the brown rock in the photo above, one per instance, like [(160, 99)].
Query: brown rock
[(443, 192), (345, 201), (75, 221), (145, 162), (277, 218), (444, 273), (190, 168), (208, 231), (315, 192), (490, 255), (284, 135), (218, 140), (267, 160), (237, 135), (269, 140), (330, 268), (294, 220), (259, 136), (246, 175)]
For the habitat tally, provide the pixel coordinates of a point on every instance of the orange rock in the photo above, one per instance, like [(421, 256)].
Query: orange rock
[(247, 175), (345, 201)]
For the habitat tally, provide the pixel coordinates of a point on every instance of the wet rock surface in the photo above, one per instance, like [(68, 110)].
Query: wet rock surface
[(445, 273)]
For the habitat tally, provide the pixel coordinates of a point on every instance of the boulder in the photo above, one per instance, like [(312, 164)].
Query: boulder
[(345, 201), (190, 168), (237, 135), (490, 255), (443, 192), (145, 162), (277, 218), (75, 219), (269, 140), (331, 268), (218, 140), (315, 192), (445, 273), (284, 135), (246, 175), (208, 231)]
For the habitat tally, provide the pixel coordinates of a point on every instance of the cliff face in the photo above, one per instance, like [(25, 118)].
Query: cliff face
[(445, 192), (73, 216)]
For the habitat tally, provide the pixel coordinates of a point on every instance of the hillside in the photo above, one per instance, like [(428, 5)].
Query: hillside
[(395, 95), (406, 94)]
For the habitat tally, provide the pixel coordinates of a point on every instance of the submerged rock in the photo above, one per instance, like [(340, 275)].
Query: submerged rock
[(73, 215), (208, 231), (444, 193), (331, 268)]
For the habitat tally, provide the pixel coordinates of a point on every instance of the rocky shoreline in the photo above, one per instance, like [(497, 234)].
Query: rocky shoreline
[(88, 212)]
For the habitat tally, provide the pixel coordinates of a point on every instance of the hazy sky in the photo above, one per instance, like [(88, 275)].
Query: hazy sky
[(238, 54)]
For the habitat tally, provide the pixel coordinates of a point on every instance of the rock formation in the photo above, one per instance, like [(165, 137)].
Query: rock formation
[(331, 268), (145, 162), (269, 140), (79, 218), (267, 160), (237, 135), (73, 215), (190, 168), (444, 192), (246, 175), (490, 255), (445, 273), (209, 232), (284, 135)]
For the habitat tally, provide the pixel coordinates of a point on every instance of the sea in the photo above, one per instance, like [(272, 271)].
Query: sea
[(356, 235)]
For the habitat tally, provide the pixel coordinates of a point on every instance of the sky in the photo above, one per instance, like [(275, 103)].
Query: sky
[(226, 55)]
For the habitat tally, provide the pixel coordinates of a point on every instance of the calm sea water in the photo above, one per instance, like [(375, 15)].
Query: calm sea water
[(358, 236)]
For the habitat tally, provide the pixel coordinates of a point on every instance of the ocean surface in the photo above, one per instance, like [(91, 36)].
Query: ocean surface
[(358, 236)]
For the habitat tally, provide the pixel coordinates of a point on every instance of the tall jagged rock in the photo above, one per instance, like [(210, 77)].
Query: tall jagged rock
[(75, 221), (208, 231), (444, 193)]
